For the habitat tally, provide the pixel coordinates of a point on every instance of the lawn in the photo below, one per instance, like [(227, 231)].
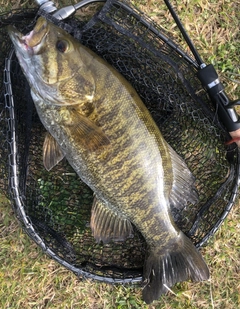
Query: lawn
[(30, 279)]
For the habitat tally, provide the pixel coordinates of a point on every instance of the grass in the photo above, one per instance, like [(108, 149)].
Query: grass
[(29, 279), (213, 27)]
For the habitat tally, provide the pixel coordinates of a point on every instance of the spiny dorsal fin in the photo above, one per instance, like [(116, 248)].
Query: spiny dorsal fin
[(107, 225), (52, 153)]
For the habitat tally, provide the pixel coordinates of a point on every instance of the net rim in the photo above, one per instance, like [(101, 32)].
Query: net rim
[(28, 226)]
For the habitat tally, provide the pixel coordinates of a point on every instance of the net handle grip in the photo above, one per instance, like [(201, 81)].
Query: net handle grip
[(225, 107)]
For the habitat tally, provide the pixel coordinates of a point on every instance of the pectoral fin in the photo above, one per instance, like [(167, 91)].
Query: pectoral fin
[(52, 154), (87, 133), (107, 225)]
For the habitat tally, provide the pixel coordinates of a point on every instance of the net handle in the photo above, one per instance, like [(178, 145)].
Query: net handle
[(211, 83)]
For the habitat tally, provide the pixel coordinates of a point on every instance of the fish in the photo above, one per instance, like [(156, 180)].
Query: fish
[(98, 122)]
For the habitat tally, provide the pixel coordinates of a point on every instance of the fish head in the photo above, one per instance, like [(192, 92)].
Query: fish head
[(52, 62)]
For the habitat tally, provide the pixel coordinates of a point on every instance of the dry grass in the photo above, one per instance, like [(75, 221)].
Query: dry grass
[(29, 279)]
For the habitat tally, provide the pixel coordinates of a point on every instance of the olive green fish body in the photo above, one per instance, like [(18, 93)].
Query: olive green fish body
[(98, 122), (129, 173)]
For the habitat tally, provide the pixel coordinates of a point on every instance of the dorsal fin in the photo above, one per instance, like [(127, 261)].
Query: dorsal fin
[(183, 189)]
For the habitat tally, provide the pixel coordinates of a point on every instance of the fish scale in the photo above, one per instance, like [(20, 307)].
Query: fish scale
[(97, 121)]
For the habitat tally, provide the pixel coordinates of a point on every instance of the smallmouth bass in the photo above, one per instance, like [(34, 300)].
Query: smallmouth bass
[(98, 122)]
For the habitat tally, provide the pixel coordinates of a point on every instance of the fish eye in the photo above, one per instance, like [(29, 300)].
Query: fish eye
[(62, 46)]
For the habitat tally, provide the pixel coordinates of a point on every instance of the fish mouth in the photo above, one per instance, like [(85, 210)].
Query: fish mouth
[(20, 42), (30, 43), (16, 36)]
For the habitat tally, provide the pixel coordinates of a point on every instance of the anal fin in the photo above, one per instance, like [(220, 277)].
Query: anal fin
[(108, 225)]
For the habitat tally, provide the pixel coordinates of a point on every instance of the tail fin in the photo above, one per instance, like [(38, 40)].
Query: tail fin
[(166, 266)]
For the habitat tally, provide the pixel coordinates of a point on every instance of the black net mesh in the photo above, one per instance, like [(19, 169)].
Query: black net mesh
[(54, 207)]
